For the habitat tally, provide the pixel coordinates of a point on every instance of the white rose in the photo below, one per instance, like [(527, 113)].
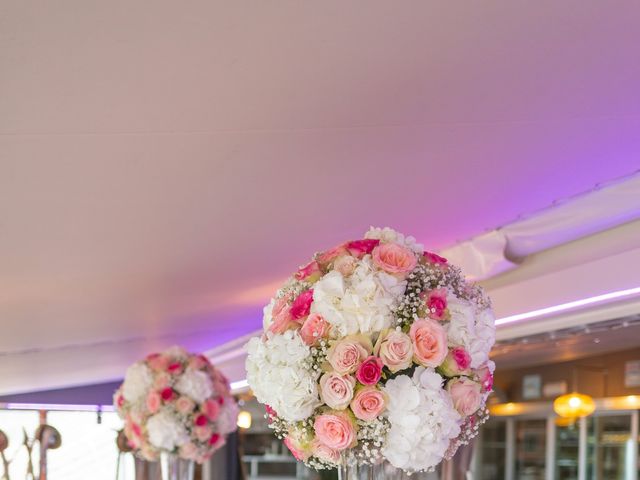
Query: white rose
[(137, 381), (195, 384), (166, 432)]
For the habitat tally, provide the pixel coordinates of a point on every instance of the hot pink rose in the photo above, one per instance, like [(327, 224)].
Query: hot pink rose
[(167, 394), (119, 400), (345, 265), (335, 430), (200, 420), (329, 256), (321, 451), (346, 355), (300, 448), (395, 350), (436, 303), (370, 371), (211, 409), (314, 328), (457, 362), (337, 390), (196, 362), (302, 305), (466, 395), (203, 433), (434, 258), (368, 403), (280, 316), (429, 342), (153, 401), (215, 439), (394, 258), (175, 368), (310, 272), (360, 248), (184, 405)]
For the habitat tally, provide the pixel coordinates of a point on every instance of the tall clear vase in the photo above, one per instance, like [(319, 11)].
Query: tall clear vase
[(350, 470), (176, 468)]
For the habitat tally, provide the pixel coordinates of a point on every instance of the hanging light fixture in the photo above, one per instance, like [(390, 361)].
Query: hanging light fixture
[(574, 405), (244, 419)]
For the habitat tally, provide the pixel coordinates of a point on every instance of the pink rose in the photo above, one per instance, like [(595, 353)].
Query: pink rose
[(345, 265), (395, 350), (457, 362), (200, 420), (175, 368), (434, 258), (281, 316), (336, 430), (370, 371), (203, 433), (302, 305), (158, 362), (324, 453), (360, 248), (153, 401), (167, 394), (299, 449), (436, 303), (188, 451), (429, 342), (346, 355), (161, 381), (314, 328), (196, 362), (466, 395), (394, 258), (215, 440), (329, 256), (310, 272), (485, 376), (211, 409), (368, 403), (184, 405), (337, 390)]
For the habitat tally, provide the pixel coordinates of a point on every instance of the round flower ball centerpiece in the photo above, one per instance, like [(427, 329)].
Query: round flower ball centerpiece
[(375, 351), (177, 404)]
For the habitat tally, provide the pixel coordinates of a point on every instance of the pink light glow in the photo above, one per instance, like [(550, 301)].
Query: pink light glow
[(569, 306)]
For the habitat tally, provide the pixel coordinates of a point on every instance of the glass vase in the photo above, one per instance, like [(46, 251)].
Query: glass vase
[(175, 468), (350, 470)]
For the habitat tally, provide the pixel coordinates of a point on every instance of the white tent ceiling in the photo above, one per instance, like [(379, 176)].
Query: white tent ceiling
[(163, 165)]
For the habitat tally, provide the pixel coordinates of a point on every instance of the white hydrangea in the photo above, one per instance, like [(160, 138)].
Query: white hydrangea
[(137, 382), (279, 374), (422, 421), (363, 302), (389, 235), (195, 384), (267, 314), (473, 331), (228, 418), (166, 432)]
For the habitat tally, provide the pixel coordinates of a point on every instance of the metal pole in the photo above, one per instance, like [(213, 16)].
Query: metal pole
[(510, 454), (550, 457), (582, 449)]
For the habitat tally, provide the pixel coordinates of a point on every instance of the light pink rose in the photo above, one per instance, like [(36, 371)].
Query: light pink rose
[(158, 362), (184, 405), (457, 362), (281, 316), (466, 395), (301, 306), (196, 362), (346, 355), (368, 403), (337, 390), (314, 328), (369, 371), (299, 448), (395, 350), (211, 409), (429, 342), (309, 273), (153, 401), (345, 265), (436, 303), (360, 248), (434, 258), (188, 451), (324, 259), (394, 258), (335, 430), (485, 375), (161, 381), (203, 433), (324, 453)]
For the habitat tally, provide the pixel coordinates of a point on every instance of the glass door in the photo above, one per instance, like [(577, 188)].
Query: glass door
[(567, 449), (530, 449), (609, 448)]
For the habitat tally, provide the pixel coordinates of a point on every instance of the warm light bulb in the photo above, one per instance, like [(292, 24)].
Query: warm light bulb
[(574, 405), (574, 402), (244, 419)]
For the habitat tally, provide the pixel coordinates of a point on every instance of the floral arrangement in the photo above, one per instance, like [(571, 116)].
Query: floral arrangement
[(375, 350), (176, 402)]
